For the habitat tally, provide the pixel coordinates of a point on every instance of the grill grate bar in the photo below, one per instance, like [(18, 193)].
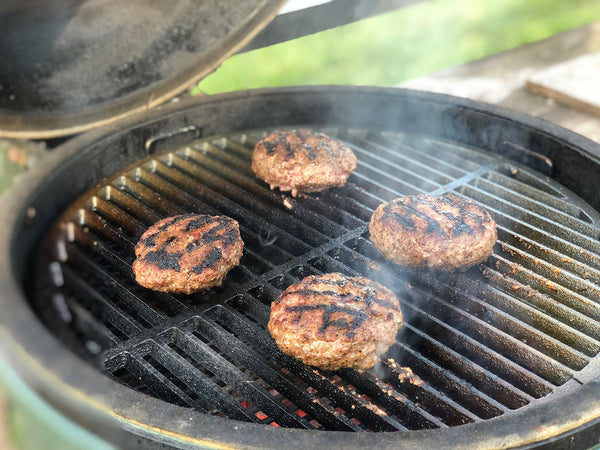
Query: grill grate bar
[(249, 184), (189, 345), (506, 368), (411, 177), (558, 275), (121, 246), (384, 392), (93, 223), (182, 184), (231, 376), (89, 243), (541, 210), (463, 180), (480, 373), (538, 252), (236, 149), (146, 368), (500, 181), (379, 156), (572, 300), (352, 405), (541, 297), (452, 157), (517, 326), (386, 186), (520, 336), (255, 206), (465, 301), (89, 328), (450, 315), (99, 305), (532, 316), (396, 144), (261, 316), (246, 357), (547, 246), (127, 203), (532, 179), (230, 154), (451, 152), (501, 209), (147, 195), (117, 292), (332, 199), (125, 228), (521, 353), (457, 392), (214, 398)]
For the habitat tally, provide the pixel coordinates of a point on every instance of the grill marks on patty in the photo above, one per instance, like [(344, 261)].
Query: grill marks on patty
[(459, 219), (187, 253), (209, 227), (447, 232), (363, 285), (333, 321), (300, 160), (356, 317)]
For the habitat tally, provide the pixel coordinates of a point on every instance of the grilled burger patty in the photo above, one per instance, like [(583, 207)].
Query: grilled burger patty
[(333, 321), (447, 232), (187, 253), (302, 161)]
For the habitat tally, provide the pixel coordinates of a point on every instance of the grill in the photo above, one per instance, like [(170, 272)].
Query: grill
[(491, 345), (481, 344)]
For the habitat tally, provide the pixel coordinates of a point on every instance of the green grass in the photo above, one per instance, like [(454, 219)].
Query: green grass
[(8, 169), (388, 49)]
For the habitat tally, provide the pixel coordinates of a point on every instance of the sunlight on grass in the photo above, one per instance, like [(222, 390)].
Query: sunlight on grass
[(404, 44)]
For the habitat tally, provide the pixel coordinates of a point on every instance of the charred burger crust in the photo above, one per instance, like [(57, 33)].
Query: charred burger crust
[(447, 232), (300, 160), (333, 321), (187, 253)]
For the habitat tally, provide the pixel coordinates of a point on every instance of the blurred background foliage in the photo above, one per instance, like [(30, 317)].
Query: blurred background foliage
[(390, 48)]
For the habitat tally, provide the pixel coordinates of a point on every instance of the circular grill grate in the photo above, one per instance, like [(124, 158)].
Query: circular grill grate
[(475, 345)]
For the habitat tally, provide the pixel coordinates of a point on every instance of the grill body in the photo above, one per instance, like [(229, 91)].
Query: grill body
[(376, 121)]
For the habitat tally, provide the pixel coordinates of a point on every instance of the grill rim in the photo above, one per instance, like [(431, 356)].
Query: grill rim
[(81, 392)]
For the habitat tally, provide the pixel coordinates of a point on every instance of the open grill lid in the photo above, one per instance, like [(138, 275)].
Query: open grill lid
[(67, 66)]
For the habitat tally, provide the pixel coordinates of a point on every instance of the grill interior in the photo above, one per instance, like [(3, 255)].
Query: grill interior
[(480, 343)]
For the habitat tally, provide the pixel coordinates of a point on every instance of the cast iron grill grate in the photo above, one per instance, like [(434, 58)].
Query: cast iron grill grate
[(475, 345)]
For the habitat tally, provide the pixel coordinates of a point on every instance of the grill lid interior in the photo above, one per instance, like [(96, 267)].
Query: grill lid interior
[(475, 345), (67, 66)]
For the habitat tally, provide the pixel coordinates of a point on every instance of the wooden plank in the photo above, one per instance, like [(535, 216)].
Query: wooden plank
[(575, 83), (501, 79)]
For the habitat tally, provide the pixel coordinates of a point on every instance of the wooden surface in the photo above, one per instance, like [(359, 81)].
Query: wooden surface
[(501, 79), (575, 83)]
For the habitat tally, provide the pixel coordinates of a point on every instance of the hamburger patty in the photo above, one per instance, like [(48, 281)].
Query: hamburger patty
[(302, 161), (447, 232), (333, 321), (187, 253)]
